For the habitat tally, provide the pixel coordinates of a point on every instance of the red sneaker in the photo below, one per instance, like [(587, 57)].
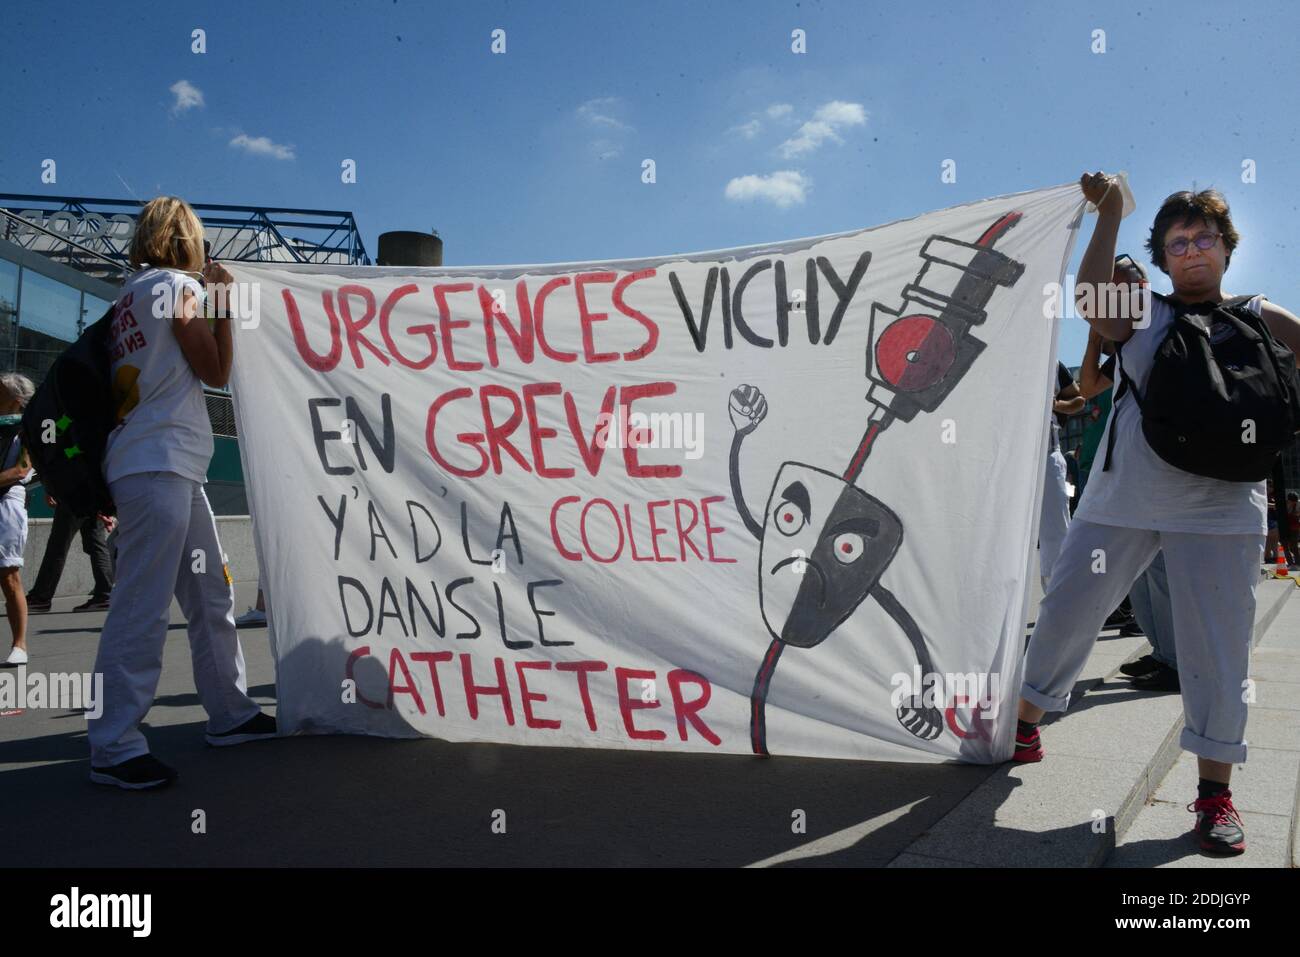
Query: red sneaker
[(1218, 825), (1029, 748)]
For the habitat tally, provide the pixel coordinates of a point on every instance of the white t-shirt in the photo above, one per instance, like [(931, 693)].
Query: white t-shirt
[(1142, 490), (163, 423)]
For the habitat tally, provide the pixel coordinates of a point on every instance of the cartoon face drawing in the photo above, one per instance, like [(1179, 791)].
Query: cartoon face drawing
[(825, 545)]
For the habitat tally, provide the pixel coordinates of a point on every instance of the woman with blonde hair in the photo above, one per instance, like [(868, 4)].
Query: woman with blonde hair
[(15, 473), (163, 352)]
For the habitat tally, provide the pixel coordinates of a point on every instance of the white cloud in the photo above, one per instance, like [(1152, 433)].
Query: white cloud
[(600, 112), (187, 96), (606, 149), (810, 136), (839, 113), (783, 188), (262, 146), (610, 131), (825, 125), (778, 110), (747, 130)]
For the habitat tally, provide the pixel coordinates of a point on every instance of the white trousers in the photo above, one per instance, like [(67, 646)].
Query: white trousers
[(1212, 580), (166, 544), (1054, 520)]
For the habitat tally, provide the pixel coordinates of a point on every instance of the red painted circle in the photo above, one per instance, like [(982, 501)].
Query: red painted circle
[(915, 352)]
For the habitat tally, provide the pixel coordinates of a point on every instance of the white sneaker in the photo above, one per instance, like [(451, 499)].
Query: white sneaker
[(251, 618), (17, 656)]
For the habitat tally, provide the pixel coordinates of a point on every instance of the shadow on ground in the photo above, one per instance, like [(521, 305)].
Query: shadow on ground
[(343, 800)]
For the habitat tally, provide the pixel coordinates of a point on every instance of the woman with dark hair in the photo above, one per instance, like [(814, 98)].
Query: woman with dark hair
[(1210, 531)]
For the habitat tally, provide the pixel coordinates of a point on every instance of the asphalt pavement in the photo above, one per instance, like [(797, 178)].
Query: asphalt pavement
[(364, 801)]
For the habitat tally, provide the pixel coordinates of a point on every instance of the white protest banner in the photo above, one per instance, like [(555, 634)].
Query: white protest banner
[(778, 499)]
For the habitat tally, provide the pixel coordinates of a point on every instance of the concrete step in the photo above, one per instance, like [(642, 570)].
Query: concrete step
[(1104, 764), (1265, 790)]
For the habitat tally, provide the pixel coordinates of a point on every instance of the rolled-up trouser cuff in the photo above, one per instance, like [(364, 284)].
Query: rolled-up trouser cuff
[(1040, 700), (1213, 750)]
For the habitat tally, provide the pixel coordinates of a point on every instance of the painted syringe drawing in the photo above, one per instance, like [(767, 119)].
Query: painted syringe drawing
[(837, 536)]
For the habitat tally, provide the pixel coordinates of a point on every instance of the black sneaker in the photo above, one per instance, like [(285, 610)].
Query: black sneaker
[(1143, 666), (256, 728), (1163, 678), (1218, 826), (1131, 630), (144, 771), (37, 605), (96, 603)]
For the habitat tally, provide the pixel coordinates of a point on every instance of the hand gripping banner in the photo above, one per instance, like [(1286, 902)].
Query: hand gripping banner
[(778, 499)]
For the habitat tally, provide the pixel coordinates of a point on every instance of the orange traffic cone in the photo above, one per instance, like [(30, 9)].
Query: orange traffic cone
[(1282, 570)]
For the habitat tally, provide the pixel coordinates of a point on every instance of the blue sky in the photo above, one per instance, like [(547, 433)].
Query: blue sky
[(536, 154)]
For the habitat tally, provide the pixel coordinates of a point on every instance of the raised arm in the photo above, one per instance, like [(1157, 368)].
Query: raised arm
[(208, 352), (1098, 265), (747, 408)]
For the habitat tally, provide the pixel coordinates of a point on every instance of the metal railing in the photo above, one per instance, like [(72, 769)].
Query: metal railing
[(14, 223), (249, 233)]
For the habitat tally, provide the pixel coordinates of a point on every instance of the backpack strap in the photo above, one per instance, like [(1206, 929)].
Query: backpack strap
[(1126, 384)]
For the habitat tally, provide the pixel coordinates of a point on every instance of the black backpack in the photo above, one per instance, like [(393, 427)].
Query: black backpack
[(1218, 371), (73, 407)]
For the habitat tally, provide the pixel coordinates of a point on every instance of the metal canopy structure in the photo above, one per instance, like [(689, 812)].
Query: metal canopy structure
[(241, 233)]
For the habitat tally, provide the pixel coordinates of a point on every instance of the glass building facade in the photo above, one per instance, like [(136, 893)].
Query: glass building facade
[(44, 306), (63, 258)]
